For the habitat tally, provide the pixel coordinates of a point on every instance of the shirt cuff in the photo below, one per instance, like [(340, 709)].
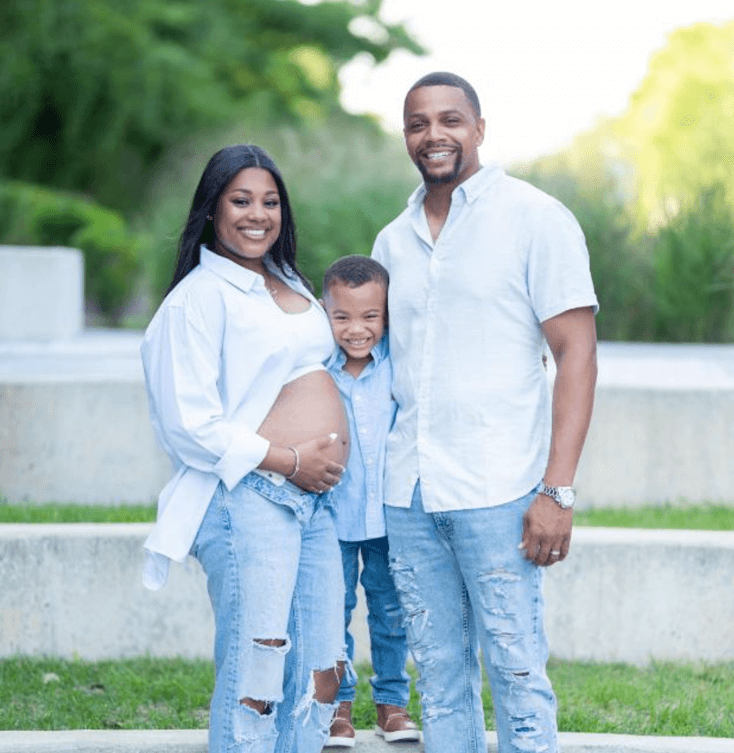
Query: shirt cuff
[(245, 452)]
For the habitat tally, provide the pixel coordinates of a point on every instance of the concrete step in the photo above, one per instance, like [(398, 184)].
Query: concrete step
[(622, 595), (661, 429), (194, 741)]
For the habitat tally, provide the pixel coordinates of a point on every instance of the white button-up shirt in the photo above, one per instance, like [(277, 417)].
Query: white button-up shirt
[(474, 408), (215, 356)]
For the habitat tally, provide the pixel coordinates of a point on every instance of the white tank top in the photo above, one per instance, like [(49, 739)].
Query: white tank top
[(313, 334)]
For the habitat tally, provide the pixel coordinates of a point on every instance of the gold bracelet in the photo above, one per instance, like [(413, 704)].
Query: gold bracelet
[(298, 462)]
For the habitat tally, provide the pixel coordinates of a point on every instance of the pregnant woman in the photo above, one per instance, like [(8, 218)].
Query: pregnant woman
[(257, 433)]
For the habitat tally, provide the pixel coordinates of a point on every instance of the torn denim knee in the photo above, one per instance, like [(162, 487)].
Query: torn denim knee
[(266, 669), (309, 701)]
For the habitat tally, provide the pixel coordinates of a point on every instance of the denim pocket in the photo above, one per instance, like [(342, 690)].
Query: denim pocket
[(288, 495)]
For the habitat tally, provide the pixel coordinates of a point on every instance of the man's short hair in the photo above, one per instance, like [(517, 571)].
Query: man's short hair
[(354, 271), (442, 78)]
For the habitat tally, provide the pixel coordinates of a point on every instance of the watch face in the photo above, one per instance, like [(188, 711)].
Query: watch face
[(567, 497)]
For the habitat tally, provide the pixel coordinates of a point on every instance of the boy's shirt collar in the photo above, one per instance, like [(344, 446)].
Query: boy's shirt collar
[(338, 358)]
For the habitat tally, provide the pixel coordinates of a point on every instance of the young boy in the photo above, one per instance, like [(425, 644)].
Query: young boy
[(355, 298)]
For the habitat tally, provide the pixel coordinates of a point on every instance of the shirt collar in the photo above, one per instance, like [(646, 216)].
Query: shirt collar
[(379, 353), (240, 277), (471, 188)]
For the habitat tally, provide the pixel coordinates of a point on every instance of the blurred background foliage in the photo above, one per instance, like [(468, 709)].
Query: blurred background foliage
[(654, 192), (109, 111), (95, 97)]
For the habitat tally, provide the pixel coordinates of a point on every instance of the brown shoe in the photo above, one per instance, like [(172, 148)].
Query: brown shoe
[(341, 732), (394, 724)]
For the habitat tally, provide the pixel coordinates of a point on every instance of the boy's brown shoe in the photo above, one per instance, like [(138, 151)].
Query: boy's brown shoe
[(394, 724), (341, 732)]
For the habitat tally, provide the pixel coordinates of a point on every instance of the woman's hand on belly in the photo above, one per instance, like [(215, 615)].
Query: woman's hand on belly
[(317, 470)]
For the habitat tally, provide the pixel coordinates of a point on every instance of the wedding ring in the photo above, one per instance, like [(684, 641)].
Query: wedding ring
[(556, 554)]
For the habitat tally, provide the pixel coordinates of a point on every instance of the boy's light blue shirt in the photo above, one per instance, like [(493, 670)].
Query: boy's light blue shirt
[(370, 409)]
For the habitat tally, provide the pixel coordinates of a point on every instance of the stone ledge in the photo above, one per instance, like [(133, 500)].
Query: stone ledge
[(194, 741), (661, 429), (41, 293), (623, 595)]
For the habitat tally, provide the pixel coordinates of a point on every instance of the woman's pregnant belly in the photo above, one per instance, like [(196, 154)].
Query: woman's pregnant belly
[(307, 408)]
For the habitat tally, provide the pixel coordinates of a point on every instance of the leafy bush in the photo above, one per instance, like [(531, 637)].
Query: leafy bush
[(621, 270), (694, 271), (672, 284), (31, 215)]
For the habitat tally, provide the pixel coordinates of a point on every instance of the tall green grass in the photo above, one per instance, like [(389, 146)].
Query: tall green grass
[(668, 282), (694, 271)]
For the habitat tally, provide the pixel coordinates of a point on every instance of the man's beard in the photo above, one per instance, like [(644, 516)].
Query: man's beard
[(448, 177)]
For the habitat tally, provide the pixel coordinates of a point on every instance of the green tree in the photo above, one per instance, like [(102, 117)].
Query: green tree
[(654, 192), (94, 92), (678, 131)]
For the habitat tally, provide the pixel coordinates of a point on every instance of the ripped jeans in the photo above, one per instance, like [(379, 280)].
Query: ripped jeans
[(463, 585), (274, 575)]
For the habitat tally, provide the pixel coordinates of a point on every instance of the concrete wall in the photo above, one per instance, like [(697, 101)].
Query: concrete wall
[(623, 595), (74, 424), (650, 445), (632, 595), (89, 441), (41, 293), (84, 440)]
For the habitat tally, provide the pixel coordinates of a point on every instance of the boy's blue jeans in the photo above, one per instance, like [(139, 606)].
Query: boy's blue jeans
[(463, 585), (388, 646)]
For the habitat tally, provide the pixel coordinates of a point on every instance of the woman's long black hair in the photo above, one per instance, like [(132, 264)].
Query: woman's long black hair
[(220, 170)]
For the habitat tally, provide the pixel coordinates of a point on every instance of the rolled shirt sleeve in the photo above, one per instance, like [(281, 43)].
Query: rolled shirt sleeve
[(558, 263)]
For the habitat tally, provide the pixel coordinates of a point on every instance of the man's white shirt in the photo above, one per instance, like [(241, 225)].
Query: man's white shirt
[(474, 407)]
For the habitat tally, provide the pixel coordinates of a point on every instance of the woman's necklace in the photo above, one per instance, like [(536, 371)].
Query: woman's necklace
[(269, 285)]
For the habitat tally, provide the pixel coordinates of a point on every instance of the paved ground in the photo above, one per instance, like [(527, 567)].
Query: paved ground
[(100, 354), (194, 741)]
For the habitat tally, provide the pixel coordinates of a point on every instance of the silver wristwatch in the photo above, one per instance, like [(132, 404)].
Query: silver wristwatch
[(564, 495)]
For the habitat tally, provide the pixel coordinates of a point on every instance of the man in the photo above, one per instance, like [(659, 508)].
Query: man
[(483, 269)]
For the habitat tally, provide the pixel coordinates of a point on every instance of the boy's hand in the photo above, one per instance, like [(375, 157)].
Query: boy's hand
[(317, 472)]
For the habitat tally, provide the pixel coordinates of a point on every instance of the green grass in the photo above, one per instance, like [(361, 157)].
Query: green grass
[(663, 699), (68, 513), (706, 517), (45, 694), (702, 517)]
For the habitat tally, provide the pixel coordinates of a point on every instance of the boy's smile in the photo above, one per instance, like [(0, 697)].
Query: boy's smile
[(358, 318)]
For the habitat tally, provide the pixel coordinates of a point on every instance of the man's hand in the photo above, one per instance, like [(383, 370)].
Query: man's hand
[(546, 535)]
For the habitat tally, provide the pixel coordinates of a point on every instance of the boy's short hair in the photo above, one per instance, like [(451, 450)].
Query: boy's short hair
[(354, 271)]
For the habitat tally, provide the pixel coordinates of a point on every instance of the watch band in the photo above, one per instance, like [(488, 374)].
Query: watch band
[(565, 496)]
